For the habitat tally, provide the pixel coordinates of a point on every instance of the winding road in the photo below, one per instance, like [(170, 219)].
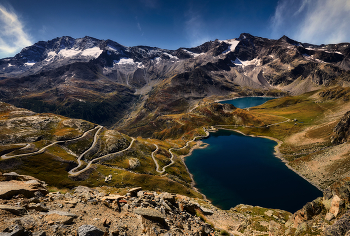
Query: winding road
[(172, 155), (72, 171), (5, 156)]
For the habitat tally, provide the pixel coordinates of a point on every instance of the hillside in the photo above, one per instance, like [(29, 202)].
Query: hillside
[(76, 77), (94, 113)]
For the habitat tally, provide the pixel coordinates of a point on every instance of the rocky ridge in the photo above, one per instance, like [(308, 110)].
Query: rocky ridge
[(32, 210)]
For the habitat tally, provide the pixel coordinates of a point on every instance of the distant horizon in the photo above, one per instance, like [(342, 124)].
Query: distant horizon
[(164, 48), (169, 24)]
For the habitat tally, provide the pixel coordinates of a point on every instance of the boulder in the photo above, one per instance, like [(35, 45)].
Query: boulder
[(89, 230), (206, 211), (335, 205), (149, 212), (60, 217), (112, 197), (134, 191), (169, 197), (341, 132), (340, 227), (37, 207), (329, 216), (85, 192), (307, 212), (16, 230), (16, 210), (14, 184)]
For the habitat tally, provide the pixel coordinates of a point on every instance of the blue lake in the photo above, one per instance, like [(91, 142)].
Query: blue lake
[(246, 102), (237, 169)]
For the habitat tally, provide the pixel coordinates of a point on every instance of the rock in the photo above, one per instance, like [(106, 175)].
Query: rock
[(341, 132), (340, 227), (89, 230), (13, 209), (71, 204), (134, 191), (15, 184), (60, 217), (134, 163), (307, 212), (112, 197), (335, 205), (37, 207), (84, 189), (16, 230), (206, 211), (329, 216), (168, 196), (149, 212), (108, 178)]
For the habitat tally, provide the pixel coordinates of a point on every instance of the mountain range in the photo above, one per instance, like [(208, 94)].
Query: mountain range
[(96, 113), (111, 84)]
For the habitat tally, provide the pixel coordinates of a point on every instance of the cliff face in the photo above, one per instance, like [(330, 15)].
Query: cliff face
[(342, 130)]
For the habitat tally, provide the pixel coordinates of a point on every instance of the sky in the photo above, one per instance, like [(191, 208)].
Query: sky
[(171, 24)]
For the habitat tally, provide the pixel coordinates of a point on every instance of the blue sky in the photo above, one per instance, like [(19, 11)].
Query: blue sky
[(171, 24)]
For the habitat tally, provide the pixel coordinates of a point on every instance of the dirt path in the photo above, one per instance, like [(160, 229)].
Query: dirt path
[(5, 156), (72, 172), (172, 154)]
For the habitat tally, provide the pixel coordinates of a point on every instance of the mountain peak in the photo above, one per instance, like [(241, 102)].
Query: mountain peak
[(286, 39)]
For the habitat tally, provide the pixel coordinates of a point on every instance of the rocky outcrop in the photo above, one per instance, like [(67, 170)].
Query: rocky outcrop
[(342, 130), (13, 184), (86, 211)]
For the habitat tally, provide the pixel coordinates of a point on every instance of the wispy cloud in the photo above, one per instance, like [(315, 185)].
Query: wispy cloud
[(139, 25), (318, 22), (195, 29), (12, 35)]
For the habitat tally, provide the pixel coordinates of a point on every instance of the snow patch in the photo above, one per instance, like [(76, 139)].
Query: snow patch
[(68, 52), (171, 56), (64, 53), (254, 62), (29, 63), (233, 46), (92, 52), (157, 60), (124, 61), (110, 48), (192, 53), (9, 65)]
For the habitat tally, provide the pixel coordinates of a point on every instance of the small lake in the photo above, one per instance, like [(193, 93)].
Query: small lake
[(237, 169), (246, 102)]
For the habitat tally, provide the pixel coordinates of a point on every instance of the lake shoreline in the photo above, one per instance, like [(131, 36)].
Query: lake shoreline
[(244, 97), (201, 145), (278, 154)]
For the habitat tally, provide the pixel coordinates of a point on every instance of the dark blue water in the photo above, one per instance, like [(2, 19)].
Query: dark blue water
[(246, 102), (237, 169)]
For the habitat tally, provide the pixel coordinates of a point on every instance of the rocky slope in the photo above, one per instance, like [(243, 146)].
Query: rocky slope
[(27, 208)]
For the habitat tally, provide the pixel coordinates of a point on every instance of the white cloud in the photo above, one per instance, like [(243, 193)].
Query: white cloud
[(317, 22), (196, 29), (12, 35)]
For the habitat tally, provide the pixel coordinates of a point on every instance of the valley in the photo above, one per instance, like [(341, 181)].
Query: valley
[(115, 118)]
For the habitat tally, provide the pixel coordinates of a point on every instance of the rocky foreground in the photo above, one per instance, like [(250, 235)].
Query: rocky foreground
[(27, 208)]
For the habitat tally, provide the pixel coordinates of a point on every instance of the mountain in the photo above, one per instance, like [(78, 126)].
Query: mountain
[(108, 83)]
